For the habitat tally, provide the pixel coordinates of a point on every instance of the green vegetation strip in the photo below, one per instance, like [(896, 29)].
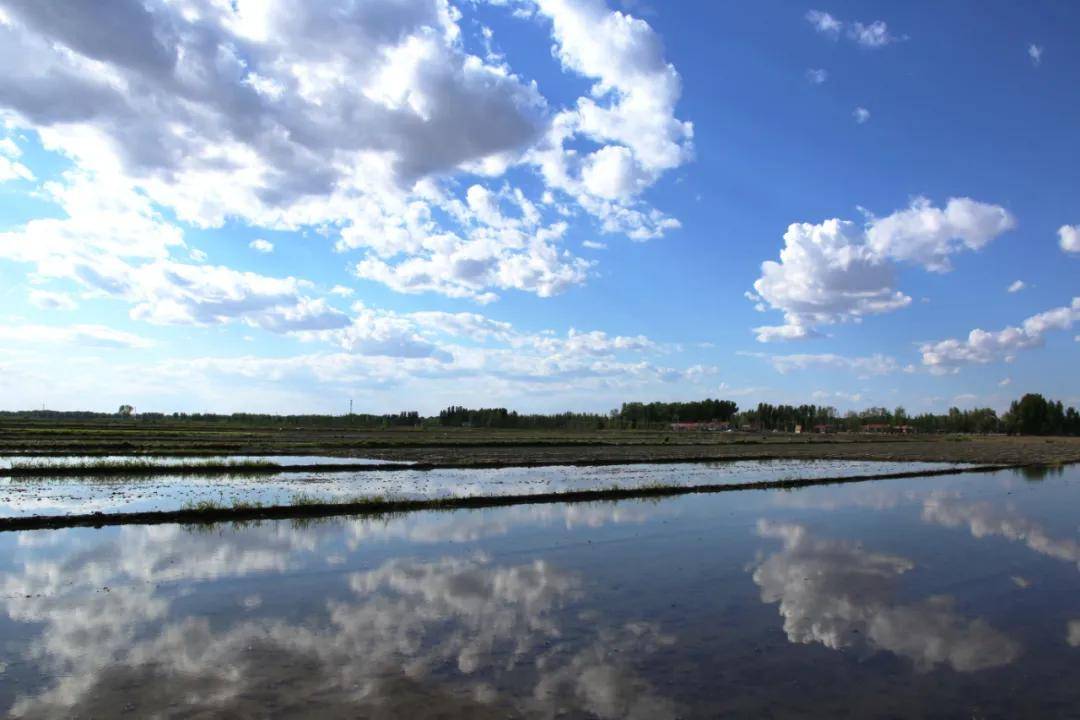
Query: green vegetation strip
[(306, 507)]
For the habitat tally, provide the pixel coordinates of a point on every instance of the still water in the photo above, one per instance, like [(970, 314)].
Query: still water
[(955, 596), (23, 496)]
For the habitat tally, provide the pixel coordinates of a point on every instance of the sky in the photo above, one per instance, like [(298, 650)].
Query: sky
[(547, 205)]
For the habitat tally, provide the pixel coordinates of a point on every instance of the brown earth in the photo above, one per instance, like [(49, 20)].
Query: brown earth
[(470, 446)]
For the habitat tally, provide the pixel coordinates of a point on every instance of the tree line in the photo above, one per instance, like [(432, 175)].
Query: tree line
[(1030, 415)]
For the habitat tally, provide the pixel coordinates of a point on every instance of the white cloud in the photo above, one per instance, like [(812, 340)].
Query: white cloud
[(47, 300), (197, 255), (1069, 238), (861, 115), (982, 347), (1005, 382), (836, 271), (353, 118), (342, 291), (289, 96), (826, 273), (261, 245), (876, 364), (775, 333), (594, 245), (511, 257), (869, 35), (114, 243), (823, 22), (10, 168), (817, 76), (87, 336), (927, 235), (1035, 52), (630, 112), (1016, 286)]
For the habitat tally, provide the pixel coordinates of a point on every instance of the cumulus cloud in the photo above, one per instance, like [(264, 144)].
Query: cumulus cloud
[(1035, 52), (842, 596), (261, 245), (1016, 286), (630, 112), (838, 271), (982, 346), (279, 93), (353, 119), (817, 76), (1069, 238), (861, 115), (928, 236)]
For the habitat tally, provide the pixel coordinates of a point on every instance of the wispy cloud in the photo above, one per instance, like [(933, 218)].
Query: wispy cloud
[(1035, 52)]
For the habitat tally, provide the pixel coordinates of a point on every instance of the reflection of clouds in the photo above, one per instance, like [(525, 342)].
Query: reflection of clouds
[(840, 595), (1072, 633), (157, 554), (436, 527), (487, 605), (595, 677), (459, 636), (984, 520), (873, 497)]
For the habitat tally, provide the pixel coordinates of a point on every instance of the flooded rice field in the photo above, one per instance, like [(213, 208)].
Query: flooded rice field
[(62, 461), (28, 496), (954, 596)]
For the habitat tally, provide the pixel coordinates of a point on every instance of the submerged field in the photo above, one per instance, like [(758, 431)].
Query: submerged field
[(953, 596), (68, 495)]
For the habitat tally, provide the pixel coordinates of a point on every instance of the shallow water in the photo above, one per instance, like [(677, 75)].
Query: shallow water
[(953, 596), (6, 461), (25, 496)]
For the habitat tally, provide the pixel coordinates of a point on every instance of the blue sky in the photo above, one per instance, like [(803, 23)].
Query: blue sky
[(541, 204)]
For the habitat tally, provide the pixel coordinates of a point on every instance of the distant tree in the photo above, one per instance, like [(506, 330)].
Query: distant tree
[(125, 411), (1030, 415)]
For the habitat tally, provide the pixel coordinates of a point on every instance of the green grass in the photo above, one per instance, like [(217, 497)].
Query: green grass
[(215, 506)]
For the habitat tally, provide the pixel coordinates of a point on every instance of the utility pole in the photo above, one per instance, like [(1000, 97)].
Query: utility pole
[(350, 406)]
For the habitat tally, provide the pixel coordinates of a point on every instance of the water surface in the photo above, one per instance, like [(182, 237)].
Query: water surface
[(23, 496), (954, 596)]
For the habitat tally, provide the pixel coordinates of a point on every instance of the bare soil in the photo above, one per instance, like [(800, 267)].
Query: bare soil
[(484, 447)]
